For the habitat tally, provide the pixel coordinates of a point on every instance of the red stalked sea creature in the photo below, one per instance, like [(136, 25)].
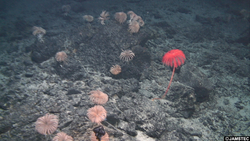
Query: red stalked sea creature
[(173, 58)]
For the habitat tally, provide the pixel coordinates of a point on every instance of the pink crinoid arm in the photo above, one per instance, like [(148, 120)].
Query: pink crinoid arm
[(173, 58)]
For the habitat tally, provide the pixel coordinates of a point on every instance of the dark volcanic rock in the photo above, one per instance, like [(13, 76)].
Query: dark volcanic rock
[(43, 51), (70, 69), (194, 78), (103, 49), (145, 113)]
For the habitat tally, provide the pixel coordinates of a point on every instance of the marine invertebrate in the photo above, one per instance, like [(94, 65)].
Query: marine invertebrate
[(103, 17), (134, 17), (98, 97), (99, 134), (88, 18), (134, 27), (39, 32), (126, 55), (173, 58), (97, 114), (135, 22), (66, 9), (61, 56), (47, 124), (245, 13), (62, 137), (121, 17), (115, 69)]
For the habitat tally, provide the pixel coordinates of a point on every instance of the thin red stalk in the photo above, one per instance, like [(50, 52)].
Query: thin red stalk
[(163, 96)]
